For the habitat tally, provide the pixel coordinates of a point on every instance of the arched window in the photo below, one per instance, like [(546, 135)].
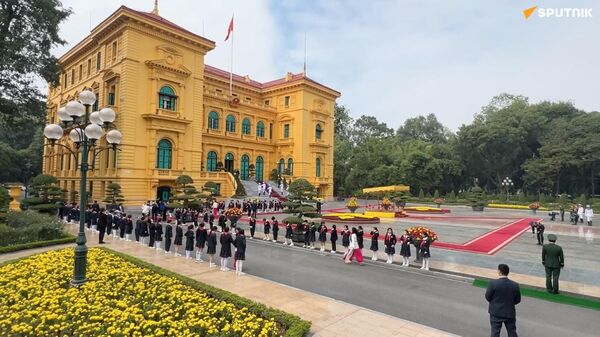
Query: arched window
[(318, 132), (229, 162), (259, 168), (281, 166), (244, 163), (230, 123), (213, 120), (260, 129), (318, 167), (164, 154), (290, 166), (246, 126), (211, 162), (166, 98)]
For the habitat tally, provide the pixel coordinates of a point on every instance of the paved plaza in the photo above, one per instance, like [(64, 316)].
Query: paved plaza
[(581, 274)]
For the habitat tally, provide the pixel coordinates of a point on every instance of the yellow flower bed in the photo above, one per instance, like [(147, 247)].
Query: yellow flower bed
[(422, 209), (347, 216), (120, 299), (514, 207)]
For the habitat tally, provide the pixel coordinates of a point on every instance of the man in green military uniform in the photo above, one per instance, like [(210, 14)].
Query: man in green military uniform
[(553, 260)]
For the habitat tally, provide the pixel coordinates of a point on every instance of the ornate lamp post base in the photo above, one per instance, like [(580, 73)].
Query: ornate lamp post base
[(79, 271)]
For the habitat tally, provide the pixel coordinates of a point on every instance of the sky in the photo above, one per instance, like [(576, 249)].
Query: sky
[(392, 59)]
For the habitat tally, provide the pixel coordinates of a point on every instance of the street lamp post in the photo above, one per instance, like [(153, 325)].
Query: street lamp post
[(83, 129), (508, 183)]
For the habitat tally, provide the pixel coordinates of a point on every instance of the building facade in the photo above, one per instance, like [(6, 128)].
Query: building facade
[(178, 116)]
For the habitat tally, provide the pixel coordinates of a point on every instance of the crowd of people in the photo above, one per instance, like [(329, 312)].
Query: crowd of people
[(352, 240), (165, 229)]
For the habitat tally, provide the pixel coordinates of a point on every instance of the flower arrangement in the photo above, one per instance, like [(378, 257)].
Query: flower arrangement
[(438, 201), (419, 232), (534, 205), (350, 218), (352, 204), (386, 203), (233, 212), (509, 206), (425, 209), (120, 299)]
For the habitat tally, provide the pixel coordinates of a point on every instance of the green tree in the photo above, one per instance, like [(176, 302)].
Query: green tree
[(113, 194), (45, 194), (28, 31), (342, 122), (301, 190), (367, 127), (424, 128)]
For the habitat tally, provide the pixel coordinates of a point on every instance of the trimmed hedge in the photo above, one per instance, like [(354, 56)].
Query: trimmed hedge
[(37, 244), (294, 326)]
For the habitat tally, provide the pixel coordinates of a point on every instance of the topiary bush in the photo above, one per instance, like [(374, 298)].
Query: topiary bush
[(293, 220), (477, 199)]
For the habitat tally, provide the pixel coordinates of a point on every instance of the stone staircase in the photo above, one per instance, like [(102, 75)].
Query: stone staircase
[(251, 188)]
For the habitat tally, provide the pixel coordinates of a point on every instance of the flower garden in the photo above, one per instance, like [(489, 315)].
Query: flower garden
[(350, 218), (123, 298), (535, 205), (425, 209)]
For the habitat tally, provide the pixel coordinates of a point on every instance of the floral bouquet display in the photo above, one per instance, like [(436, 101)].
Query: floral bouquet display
[(352, 204), (438, 201), (386, 204), (418, 232), (233, 214), (534, 206)]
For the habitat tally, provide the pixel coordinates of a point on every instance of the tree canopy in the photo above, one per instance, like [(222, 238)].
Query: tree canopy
[(547, 147)]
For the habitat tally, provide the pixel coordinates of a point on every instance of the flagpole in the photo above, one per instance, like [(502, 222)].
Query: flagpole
[(304, 53), (231, 65)]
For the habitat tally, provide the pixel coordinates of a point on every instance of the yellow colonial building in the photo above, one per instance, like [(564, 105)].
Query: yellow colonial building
[(177, 114)]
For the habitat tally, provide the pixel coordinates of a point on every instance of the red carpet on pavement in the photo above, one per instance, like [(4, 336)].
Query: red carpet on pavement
[(491, 242)]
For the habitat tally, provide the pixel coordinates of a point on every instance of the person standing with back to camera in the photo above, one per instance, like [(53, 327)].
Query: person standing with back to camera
[(503, 294), (553, 261)]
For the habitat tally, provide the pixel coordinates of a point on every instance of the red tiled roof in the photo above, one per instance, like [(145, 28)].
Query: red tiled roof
[(241, 79)]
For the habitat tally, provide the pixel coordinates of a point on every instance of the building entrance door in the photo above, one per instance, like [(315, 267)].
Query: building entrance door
[(229, 162), (244, 167), (163, 193)]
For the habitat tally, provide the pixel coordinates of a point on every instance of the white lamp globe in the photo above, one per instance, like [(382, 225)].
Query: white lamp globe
[(93, 131), (63, 115), (95, 118), (75, 109), (107, 115), (87, 97), (76, 135), (53, 131), (114, 137)]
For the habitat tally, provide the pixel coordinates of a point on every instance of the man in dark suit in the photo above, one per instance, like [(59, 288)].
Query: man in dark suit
[(553, 260), (102, 223), (540, 233), (503, 294)]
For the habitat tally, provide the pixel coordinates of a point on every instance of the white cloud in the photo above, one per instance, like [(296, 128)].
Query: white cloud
[(394, 59)]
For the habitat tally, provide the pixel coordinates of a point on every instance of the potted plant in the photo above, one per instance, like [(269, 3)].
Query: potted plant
[(352, 204), (534, 206), (400, 199), (233, 214), (477, 199), (438, 201), (386, 204)]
